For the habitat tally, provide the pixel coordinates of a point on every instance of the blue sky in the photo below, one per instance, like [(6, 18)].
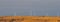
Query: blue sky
[(29, 7)]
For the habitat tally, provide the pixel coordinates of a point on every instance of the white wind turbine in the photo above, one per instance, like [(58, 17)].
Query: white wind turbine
[(14, 13)]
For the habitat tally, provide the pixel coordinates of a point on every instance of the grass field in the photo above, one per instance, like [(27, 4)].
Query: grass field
[(29, 19)]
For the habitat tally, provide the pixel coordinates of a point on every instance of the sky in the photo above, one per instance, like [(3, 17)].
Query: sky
[(29, 7)]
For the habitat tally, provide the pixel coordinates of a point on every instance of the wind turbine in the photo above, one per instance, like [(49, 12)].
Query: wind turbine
[(33, 12), (47, 12), (14, 13), (58, 13)]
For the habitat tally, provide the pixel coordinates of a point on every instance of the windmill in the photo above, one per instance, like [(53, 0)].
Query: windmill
[(47, 12), (58, 12), (14, 13)]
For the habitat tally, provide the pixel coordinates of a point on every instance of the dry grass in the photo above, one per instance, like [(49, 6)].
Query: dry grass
[(29, 19)]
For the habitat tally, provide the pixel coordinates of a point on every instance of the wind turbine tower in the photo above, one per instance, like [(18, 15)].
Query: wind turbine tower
[(14, 13)]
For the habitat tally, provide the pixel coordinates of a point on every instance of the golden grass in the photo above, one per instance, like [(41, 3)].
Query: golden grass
[(29, 18)]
